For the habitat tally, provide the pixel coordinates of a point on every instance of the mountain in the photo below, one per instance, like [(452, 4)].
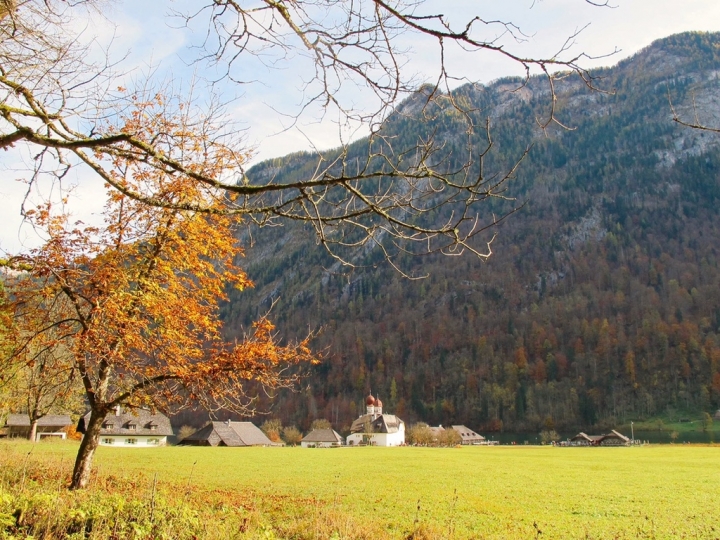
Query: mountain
[(601, 302)]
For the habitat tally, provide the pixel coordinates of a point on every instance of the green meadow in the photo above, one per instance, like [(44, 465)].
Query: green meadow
[(669, 491)]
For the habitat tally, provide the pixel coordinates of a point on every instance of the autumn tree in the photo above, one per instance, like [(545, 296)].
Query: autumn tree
[(291, 435), (449, 437), (39, 375), (272, 429), (6, 339), (135, 302), (42, 379), (321, 423), (420, 434)]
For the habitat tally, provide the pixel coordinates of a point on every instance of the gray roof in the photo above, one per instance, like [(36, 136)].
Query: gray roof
[(617, 435), (229, 434), (599, 438), (468, 434), (143, 421), (582, 436), (50, 420), (384, 423), (323, 435)]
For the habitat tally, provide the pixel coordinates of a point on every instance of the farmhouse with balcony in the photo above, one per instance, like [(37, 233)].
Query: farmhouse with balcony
[(137, 429)]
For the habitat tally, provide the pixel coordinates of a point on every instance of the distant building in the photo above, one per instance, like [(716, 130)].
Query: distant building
[(468, 435), (615, 439), (376, 428), (137, 429), (228, 433), (51, 425), (321, 438), (583, 439), (436, 432), (610, 439)]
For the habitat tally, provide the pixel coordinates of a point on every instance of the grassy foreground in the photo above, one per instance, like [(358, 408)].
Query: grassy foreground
[(492, 492)]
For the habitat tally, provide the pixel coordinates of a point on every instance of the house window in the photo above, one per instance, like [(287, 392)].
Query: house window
[(108, 441), (153, 427), (130, 441), (153, 442), (132, 426), (108, 425)]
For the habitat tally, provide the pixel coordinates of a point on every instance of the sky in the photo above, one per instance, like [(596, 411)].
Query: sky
[(142, 36)]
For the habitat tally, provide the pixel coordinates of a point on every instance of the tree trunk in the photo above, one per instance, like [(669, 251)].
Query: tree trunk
[(90, 441), (33, 430)]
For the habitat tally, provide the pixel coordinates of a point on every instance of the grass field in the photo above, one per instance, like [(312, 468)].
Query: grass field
[(670, 491)]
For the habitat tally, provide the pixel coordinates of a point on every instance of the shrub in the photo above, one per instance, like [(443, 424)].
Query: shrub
[(292, 436), (272, 428), (549, 436), (185, 432)]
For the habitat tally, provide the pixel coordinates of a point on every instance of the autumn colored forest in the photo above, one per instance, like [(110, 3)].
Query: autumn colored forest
[(601, 302)]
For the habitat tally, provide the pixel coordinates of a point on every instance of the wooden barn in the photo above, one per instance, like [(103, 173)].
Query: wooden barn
[(228, 433)]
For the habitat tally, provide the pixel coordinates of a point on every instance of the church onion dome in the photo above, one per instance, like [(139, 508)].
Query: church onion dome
[(370, 400), (378, 403)]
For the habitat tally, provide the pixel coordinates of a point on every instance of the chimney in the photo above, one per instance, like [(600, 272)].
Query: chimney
[(117, 410)]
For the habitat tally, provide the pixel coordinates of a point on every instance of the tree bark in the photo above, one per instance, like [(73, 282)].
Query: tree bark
[(33, 430), (90, 442)]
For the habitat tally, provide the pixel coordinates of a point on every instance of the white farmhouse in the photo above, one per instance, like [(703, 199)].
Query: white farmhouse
[(376, 428), (138, 429)]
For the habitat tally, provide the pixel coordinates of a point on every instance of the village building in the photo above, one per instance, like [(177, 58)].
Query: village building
[(376, 428), (49, 426), (137, 429), (468, 435), (228, 433), (583, 439), (613, 438), (321, 438)]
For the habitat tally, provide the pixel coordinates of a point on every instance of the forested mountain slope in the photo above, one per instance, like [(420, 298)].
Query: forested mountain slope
[(601, 302)]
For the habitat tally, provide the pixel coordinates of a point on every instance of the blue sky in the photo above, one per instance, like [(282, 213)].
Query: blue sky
[(141, 32)]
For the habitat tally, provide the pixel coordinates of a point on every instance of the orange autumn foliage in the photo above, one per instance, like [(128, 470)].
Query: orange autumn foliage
[(136, 300)]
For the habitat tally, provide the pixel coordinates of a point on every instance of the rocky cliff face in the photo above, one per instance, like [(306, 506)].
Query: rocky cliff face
[(601, 301)]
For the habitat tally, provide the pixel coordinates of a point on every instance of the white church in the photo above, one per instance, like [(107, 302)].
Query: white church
[(375, 428)]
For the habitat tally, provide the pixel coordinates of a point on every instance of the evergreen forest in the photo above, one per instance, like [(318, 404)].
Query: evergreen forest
[(601, 301)]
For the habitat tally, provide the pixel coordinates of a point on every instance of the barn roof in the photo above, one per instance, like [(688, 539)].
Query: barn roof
[(584, 437), (616, 435), (467, 434), (50, 420), (323, 435), (231, 434), (594, 439), (144, 421)]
